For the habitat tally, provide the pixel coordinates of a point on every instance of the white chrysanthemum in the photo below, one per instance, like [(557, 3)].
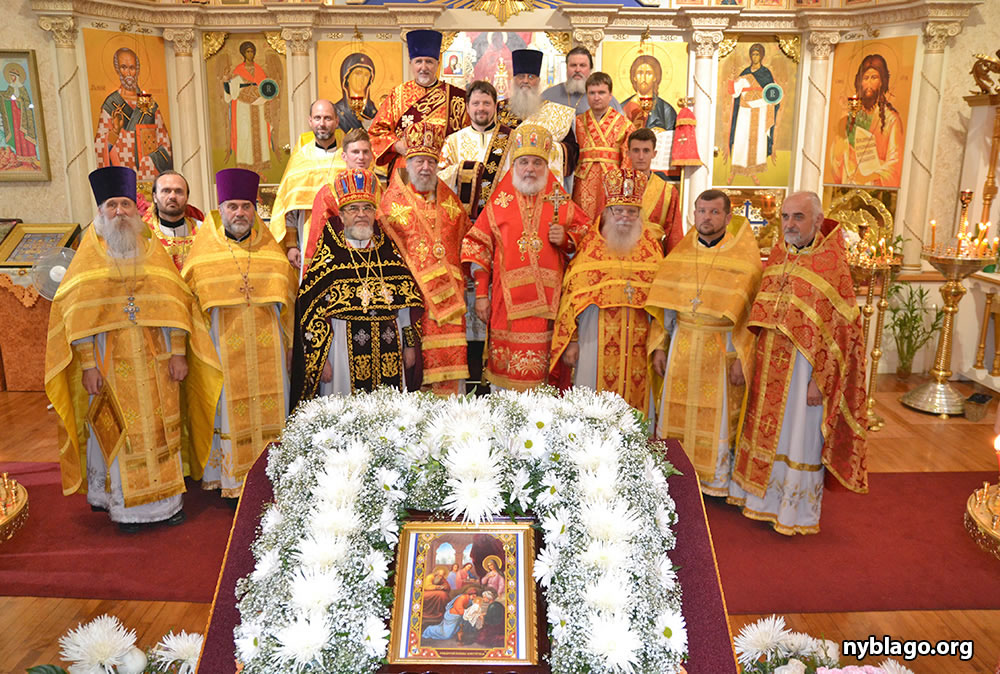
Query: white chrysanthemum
[(376, 639), (416, 452), (760, 639), (376, 567), (388, 526), (552, 492), (793, 666), (894, 667), (134, 662), (477, 500), (627, 423), (539, 415), (571, 429), (545, 566), (351, 459), (295, 467), (301, 641), (271, 520), (655, 477), (471, 459), (605, 556), (266, 565), (556, 527), (800, 644), (664, 519), (599, 485), (559, 621), (183, 649), (388, 479), (321, 551), (612, 638), (313, 590), (608, 593), (330, 519), (829, 652), (520, 489), (595, 452), (98, 646), (530, 442), (671, 625), (610, 521), (247, 638), (599, 407), (338, 487), (326, 437)]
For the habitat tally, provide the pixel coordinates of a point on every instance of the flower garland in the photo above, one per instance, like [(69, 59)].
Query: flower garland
[(349, 468), (767, 647)]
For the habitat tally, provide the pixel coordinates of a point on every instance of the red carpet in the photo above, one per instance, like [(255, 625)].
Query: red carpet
[(65, 550), (902, 546)]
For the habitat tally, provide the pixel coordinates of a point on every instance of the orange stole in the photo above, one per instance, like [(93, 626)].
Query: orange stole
[(661, 207), (509, 240), (444, 106), (725, 279), (597, 276), (429, 236), (603, 146), (806, 303)]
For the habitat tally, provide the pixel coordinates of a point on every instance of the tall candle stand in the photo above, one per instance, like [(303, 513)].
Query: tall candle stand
[(982, 514), (939, 396), (886, 273)]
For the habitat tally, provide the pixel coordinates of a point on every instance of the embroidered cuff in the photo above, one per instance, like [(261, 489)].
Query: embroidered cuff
[(84, 352), (482, 278), (178, 343), (411, 337)]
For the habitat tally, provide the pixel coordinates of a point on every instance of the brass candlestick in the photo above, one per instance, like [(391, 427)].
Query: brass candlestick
[(876, 422), (980, 363), (990, 187), (939, 396)]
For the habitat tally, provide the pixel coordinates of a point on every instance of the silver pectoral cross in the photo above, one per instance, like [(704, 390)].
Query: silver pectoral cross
[(629, 291), (694, 304), (131, 309)]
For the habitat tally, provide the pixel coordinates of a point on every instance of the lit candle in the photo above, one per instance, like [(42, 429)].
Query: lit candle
[(982, 231), (933, 233), (996, 242), (996, 448)]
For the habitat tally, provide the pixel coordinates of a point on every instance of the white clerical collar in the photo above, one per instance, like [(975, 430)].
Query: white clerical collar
[(358, 243)]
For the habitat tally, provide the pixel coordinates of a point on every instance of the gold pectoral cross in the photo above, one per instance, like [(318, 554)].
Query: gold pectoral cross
[(526, 243), (366, 296)]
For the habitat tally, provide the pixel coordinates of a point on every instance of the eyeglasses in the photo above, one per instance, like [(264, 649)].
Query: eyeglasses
[(358, 208), (624, 211)]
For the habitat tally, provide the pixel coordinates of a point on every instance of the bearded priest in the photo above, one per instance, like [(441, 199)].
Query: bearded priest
[(245, 292), (517, 252), (118, 343), (353, 325), (171, 218), (806, 410), (426, 221), (526, 106), (602, 329), (700, 300), (423, 99)]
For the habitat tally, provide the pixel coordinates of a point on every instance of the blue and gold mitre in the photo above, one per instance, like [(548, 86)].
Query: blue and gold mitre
[(355, 185)]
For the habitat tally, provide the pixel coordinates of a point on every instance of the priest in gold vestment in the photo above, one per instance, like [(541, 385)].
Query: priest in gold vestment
[(171, 218), (700, 300), (517, 251), (807, 408), (423, 99), (116, 353), (661, 202), (315, 162), (602, 133), (601, 329), (245, 290), (427, 222)]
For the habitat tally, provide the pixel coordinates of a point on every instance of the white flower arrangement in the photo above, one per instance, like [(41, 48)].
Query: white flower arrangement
[(768, 647), (348, 469), (105, 646)]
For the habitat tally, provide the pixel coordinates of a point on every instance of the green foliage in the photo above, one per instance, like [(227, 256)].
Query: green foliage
[(908, 322), (46, 669)]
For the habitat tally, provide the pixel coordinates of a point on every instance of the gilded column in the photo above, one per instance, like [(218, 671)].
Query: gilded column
[(79, 141), (298, 41), (924, 135), (590, 38), (820, 47), (706, 44), (187, 143)]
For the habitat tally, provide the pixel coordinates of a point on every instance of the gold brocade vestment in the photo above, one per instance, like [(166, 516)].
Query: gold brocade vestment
[(93, 299), (711, 289), (251, 338)]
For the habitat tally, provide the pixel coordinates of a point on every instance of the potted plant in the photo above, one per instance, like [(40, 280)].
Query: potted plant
[(908, 323)]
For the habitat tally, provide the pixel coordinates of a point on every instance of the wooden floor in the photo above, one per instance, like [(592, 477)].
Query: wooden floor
[(30, 627)]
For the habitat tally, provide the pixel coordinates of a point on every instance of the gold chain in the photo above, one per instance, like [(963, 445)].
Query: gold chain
[(246, 289)]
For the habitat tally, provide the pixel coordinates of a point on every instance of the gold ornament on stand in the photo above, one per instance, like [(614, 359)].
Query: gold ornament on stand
[(968, 255), (13, 507), (982, 513)]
